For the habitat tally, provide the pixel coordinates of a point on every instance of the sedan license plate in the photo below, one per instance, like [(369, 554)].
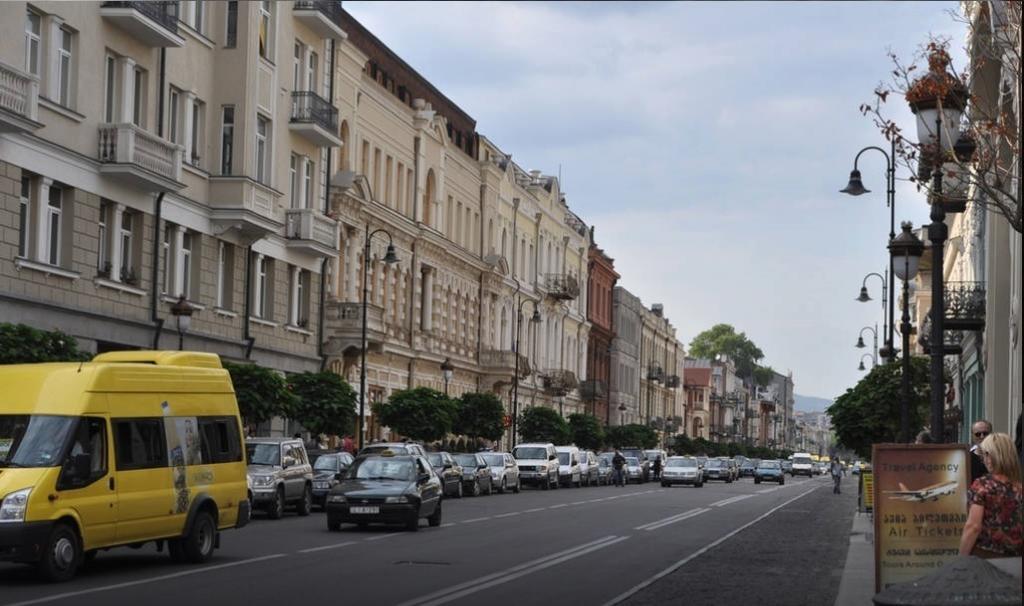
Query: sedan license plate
[(364, 510)]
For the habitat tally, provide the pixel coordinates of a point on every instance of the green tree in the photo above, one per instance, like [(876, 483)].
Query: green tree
[(763, 375), (587, 432), (542, 424), (325, 403), (262, 393), (422, 413), (723, 339), (480, 415), (682, 444), (635, 435), (869, 412), (22, 344)]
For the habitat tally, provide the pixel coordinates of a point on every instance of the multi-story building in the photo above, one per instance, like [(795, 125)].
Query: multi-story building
[(782, 389), (152, 151), (728, 410), (698, 388), (601, 287), (481, 243)]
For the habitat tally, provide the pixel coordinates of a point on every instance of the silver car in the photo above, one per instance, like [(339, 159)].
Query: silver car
[(634, 470), (682, 470), (281, 475), (504, 471), (589, 469)]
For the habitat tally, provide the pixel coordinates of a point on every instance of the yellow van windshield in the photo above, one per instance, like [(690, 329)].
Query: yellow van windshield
[(33, 440)]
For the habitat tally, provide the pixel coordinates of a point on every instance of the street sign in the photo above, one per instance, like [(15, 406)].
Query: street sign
[(507, 421), (867, 481), (920, 508)]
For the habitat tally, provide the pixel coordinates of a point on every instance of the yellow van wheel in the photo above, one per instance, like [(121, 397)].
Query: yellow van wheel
[(62, 555), (198, 544)]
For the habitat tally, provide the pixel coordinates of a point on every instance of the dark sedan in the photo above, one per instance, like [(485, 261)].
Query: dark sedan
[(386, 489), (769, 471), (476, 474), (449, 471), (747, 468), (718, 469), (328, 469)]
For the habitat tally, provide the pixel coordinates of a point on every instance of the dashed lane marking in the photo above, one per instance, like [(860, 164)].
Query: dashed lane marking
[(679, 517), (323, 547), (473, 520)]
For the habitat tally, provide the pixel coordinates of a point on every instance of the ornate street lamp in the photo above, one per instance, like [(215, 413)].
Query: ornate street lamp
[(861, 366), (182, 312), (860, 342), (447, 371), (938, 99), (534, 319), (389, 257), (905, 251)]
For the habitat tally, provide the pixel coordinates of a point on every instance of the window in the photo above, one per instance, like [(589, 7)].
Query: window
[(261, 287), (231, 36), (311, 70), (219, 440), (307, 181), (298, 314), (262, 126), (64, 69), (169, 231), (103, 259), (227, 138), (53, 225), (192, 14), (225, 274), (90, 438), (139, 98), (265, 14), (140, 443), (197, 131), (172, 115), (186, 264), (33, 25), (127, 243), (24, 210), (297, 67), (109, 100), (293, 179)]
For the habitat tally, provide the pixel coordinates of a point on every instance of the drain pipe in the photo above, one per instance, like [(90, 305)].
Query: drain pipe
[(158, 322), (246, 336), (320, 315)]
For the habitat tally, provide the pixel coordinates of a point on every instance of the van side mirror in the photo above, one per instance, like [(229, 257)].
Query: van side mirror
[(552, 457), (423, 478)]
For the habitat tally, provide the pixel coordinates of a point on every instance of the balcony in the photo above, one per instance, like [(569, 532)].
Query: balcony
[(154, 23), (672, 382), (314, 118), (562, 287), (496, 361), (343, 327), (324, 18), (311, 231), (965, 305), (139, 158), (243, 205), (593, 389), (19, 101), (559, 382)]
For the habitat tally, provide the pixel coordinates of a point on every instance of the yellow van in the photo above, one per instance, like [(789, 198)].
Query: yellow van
[(128, 448)]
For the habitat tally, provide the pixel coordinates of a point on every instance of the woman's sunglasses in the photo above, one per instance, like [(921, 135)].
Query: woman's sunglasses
[(981, 434)]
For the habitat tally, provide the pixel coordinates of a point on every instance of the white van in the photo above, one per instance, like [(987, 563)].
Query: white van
[(569, 466), (803, 465), (538, 464)]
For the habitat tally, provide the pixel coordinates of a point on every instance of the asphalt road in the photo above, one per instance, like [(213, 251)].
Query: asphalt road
[(596, 545)]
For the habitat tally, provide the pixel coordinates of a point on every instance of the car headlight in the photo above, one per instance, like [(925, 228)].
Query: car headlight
[(398, 499), (336, 498), (321, 485), (494, 475), (258, 481), (14, 504)]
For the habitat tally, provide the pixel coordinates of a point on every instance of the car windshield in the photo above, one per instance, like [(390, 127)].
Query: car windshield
[(530, 452), (632, 461), (382, 468), (768, 465), (801, 460), (326, 463), (263, 454), (681, 463), (435, 459), (466, 460), (382, 448), (495, 460), (33, 440), (715, 464), (563, 458)]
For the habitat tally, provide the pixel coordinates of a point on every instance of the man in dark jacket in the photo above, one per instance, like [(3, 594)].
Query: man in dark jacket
[(979, 431), (619, 464)]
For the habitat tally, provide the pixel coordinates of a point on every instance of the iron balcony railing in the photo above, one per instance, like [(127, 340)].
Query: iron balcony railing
[(563, 287), (309, 107), (965, 305), (331, 10), (559, 382), (163, 12)]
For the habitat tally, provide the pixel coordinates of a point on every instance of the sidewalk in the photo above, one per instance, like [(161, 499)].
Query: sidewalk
[(857, 586)]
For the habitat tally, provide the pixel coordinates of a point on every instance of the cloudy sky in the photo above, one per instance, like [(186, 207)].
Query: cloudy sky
[(705, 141)]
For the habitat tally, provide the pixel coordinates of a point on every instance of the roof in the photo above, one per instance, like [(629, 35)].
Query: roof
[(697, 376)]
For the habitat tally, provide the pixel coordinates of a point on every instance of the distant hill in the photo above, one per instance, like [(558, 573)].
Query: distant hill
[(810, 403)]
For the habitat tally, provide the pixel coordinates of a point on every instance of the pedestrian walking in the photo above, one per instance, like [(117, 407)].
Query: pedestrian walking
[(836, 469), (619, 466), (994, 527), (657, 468), (979, 431)]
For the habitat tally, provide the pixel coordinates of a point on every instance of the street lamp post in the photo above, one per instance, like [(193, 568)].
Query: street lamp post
[(861, 367), (535, 318), (905, 250), (860, 342), (887, 352), (447, 371), (938, 99), (856, 188), (182, 312), (389, 258)]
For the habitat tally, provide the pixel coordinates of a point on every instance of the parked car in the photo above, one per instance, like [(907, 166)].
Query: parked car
[(747, 468), (398, 448), (769, 471), (653, 455), (281, 475), (538, 464), (476, 474), (448, 471), (641, 457), (386, 488), (682, 470), (734, 471), (569, 466), (634, 470), (604, 468), (589, 468), (802, 464), (718, 469), (328, 469), (702, 462), (787, 467), (504, 471)]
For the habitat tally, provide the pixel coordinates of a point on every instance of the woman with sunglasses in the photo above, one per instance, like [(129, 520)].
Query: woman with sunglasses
[(995, 528)]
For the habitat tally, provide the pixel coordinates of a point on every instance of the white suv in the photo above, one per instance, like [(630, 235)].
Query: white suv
[(538, 464), (802, 465)]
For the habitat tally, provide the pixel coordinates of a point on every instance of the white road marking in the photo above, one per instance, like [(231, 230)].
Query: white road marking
[(629, 593), (767, 490), (679, 517), (559, 506), (486, 582), (163, 577), (323, 547), (472, 520), (508, 515), (447, 525), (384, 536), (577, 502), (534, 510), (730, 500)]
